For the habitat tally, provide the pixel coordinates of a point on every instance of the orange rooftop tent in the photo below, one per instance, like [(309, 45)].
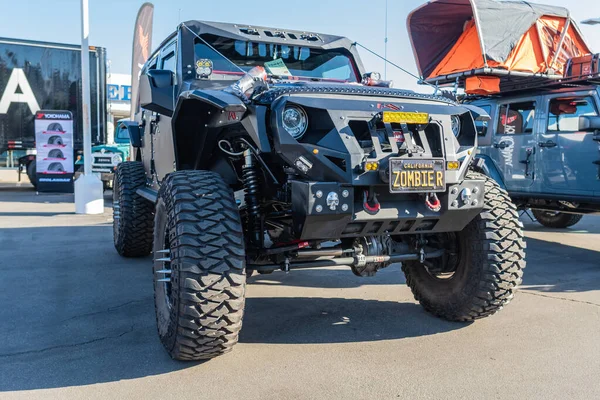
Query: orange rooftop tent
[(481, 44)]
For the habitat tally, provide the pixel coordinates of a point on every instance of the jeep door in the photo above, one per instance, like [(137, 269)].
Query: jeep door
[(514, 141), (164, 151), (158, 153), (567, 156)]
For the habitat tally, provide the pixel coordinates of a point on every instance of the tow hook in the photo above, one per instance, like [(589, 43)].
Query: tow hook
[(371, 209), (433, 202)]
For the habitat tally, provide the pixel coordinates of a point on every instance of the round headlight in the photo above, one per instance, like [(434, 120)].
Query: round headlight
[(456, 125), (295, 121), (117, 158)]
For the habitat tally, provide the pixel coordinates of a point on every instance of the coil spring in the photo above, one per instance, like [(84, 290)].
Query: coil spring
[(251, 186)]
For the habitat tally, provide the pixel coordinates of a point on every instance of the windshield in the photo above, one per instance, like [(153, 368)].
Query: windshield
[(277, 59)]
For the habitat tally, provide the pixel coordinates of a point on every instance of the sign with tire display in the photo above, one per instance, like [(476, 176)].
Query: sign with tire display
[(54, 143)]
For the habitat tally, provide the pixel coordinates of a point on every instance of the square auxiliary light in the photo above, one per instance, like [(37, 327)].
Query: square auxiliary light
[(452, 165), (401, 117), (371, 166)]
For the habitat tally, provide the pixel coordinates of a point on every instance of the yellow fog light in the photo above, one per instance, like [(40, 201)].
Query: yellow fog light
[(391, 117), (452, 165), (371, 166)]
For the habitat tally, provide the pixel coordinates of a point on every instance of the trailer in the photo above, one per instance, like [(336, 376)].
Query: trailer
[(37, 76)]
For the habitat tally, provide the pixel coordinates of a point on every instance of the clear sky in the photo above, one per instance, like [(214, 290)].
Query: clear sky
[(111, 23)]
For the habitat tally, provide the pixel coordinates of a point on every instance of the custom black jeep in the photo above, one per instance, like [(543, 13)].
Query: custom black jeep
[(263, 149)]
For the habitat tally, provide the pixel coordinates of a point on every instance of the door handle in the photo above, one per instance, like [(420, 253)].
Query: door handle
[(548, 144), (501, 145), (530, 151)]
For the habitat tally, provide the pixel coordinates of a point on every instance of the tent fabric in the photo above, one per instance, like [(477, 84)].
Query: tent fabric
[(482, 85), (533, 53), (507, 33), (464, 55)]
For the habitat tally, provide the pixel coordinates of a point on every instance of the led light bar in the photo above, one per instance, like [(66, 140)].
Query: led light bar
[(401, 117)]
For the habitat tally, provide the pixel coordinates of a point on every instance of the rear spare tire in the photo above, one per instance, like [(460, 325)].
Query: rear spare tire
[(552, 219), (483, 264), (133, 216), (199, 267)]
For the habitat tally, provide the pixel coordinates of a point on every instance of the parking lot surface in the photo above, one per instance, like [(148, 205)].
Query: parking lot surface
[(78, 322)]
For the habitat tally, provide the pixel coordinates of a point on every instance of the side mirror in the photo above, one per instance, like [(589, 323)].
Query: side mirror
[(135, 135), (589, 124), (376, 76), (374, 79), (156, 91)]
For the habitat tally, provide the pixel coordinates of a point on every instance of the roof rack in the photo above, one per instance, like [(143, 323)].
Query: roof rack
[(515, 81)]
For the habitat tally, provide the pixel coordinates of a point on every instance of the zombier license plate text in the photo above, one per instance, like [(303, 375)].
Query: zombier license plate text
[(414, 176)]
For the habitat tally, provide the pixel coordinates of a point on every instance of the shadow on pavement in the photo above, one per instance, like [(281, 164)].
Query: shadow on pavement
[(34, 214), (75, 313), (298, 320), (557, 267), (589, 224)]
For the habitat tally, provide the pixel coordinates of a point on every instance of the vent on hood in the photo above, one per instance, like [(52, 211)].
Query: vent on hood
[(311, 37), (275, 34), (250, 31)]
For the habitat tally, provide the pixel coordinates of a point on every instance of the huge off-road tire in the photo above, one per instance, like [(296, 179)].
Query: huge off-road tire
[(133, 216), (557, 220), (199, 267), (487, 260)]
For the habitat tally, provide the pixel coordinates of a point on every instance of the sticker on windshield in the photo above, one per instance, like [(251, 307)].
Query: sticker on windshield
[(204, 68), (277, 67)]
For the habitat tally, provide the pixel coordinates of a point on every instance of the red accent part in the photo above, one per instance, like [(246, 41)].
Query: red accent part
[(303, 245), (435, 206), (368, 208), (373, 209), (399, 136)]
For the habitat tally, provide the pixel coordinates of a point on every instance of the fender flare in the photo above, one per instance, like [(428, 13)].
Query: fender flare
[(486, 166), (202, 116)]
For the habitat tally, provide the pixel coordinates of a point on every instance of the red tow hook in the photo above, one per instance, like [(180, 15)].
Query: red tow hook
[(433, 202), (371, 209)]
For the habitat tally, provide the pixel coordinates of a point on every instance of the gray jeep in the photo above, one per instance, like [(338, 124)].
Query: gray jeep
[(262, 149), (543, 147)]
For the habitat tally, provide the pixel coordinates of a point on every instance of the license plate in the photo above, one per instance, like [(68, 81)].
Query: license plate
[(104, 160), (412, 176)]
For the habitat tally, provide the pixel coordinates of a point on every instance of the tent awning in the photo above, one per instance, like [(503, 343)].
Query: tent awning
[(453, 36)]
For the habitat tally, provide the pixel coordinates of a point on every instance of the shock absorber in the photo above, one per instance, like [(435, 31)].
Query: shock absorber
[(250, 176)]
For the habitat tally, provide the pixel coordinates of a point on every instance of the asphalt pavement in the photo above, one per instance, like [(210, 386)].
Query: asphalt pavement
[(77, 321)]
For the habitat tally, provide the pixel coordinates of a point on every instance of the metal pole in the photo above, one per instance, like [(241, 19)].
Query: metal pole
[(89, 198), (386, 41), (85, 86)]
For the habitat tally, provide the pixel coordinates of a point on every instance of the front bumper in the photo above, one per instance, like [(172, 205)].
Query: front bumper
[(399, 214)]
